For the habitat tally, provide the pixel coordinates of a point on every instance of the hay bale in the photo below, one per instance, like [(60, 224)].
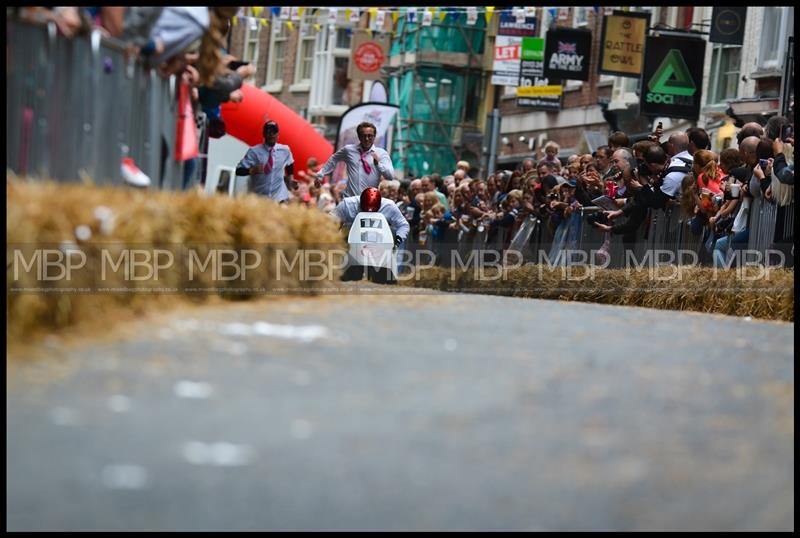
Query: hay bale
[(104, 222), (700, 289)]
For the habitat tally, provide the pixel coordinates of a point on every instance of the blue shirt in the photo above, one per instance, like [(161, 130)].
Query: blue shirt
[(271, 183)]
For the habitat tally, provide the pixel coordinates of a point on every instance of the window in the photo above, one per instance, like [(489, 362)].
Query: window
[(330, 93), (305, 52), (279, 37), (723, 80), (580, 17), (774, 37), (251, 42)]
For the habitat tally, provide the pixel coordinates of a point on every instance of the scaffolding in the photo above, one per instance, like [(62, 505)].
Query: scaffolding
[(435, 77)]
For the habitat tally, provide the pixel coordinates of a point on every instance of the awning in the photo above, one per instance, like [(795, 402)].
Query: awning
[(753, 110)]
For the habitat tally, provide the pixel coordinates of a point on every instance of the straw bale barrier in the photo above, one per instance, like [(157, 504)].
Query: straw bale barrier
[(749, 292), (94, 219)]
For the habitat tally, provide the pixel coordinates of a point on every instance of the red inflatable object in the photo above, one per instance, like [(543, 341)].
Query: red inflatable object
[(245, 121)]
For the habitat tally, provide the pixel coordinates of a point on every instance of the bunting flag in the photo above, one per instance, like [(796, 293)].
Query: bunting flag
[(373, 12), (427, 18), (253, 23), (380, 19), (276, 11), (520, 14), (442, 16), (355, 15), (301, 10), (317, 27), (186, 143), (395, 16), (257, 11), (412, 14), (489, 12), (263, 22), (472, 16), (530, 11), (290, 25), (347, 13), (285, 12), (332, 15)]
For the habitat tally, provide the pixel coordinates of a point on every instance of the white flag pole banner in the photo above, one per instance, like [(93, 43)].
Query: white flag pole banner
[(379, 114)]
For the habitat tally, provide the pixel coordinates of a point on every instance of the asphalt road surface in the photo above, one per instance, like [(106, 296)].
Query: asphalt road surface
[(419, 412)]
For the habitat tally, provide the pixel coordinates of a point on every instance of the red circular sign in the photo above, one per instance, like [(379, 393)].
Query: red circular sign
[(369, 57)]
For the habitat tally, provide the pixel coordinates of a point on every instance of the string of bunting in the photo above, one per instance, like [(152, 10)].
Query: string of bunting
[(423, 15), (291, 16)]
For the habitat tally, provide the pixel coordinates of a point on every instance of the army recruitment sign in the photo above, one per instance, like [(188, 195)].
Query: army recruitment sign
[(622, 45), (673, 77), (567, 53)]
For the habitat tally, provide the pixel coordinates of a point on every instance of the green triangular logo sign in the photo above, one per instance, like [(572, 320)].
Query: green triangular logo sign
[(672, 76)]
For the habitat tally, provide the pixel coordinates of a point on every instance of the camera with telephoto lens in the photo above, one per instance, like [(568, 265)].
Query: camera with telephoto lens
[(597, 217)]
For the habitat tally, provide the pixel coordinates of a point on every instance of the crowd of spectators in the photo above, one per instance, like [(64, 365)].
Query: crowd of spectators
[(712, 192)]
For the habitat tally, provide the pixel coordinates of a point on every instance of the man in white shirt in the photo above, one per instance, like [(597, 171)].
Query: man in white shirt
[(679, 143), (270, 166), (366, 163)]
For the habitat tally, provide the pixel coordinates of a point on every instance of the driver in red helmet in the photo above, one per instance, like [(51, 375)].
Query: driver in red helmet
[(372, 202)]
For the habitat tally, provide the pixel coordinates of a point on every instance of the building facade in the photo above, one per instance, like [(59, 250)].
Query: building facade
[(302, 59)]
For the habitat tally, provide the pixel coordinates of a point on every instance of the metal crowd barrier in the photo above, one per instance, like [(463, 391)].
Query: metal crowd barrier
[(771, 229), (78, 106), (665, 231)]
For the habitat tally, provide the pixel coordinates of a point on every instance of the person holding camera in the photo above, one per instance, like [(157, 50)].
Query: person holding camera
[(637, 203), (782, 170)]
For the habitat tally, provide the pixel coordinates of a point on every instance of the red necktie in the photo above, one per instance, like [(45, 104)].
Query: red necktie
[(270, 162), (367, 167)]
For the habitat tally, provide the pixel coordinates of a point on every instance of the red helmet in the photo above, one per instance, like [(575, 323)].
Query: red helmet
[(370, 200)]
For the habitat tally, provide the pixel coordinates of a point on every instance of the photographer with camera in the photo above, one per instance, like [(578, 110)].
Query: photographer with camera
[(638, 201)]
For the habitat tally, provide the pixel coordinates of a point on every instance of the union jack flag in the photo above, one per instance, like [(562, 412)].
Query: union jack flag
[(569, 48)]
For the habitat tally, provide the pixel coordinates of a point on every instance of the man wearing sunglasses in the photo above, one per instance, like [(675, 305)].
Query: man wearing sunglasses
[(366, 162)]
